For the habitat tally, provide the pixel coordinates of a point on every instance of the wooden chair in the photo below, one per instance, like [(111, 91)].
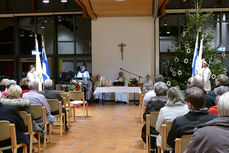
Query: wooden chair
[(141, 97), (7, 131), (151, 120), (164, 134), (28, 122), (70, 109), (182, 143), (78, 99), (55, 106), (40, 112)]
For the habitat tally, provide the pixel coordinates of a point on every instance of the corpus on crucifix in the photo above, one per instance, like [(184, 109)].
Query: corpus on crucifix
[(122, 45)]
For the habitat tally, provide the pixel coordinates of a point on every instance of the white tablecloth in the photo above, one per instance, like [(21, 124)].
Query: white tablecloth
[(117, 90)]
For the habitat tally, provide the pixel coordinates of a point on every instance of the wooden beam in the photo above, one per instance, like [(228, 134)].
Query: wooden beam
[(160, 2), (89, 8), (41, 11), (82, 7), (33, 5), (163, 6), (221, 2), (3, 5)]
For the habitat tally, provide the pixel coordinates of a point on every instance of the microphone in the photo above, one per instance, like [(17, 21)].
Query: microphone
[(121, 69)]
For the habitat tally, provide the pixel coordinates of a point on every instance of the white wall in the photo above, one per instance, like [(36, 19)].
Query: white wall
[(136, 32)]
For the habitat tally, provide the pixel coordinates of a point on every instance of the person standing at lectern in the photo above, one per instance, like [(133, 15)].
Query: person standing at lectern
[(84, 74)]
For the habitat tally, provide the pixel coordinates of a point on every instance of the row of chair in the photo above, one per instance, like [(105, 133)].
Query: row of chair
[(40, 112), (181, 143), (8, 129)]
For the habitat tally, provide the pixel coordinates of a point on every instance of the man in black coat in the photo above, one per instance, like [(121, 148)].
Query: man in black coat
[(198, 114), (221, 82), (11, 114), (49, 93)]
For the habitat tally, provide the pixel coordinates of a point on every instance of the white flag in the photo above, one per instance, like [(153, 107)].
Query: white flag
[(38, 64)]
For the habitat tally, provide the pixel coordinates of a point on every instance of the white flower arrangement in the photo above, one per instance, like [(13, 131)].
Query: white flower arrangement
[(186, 61)]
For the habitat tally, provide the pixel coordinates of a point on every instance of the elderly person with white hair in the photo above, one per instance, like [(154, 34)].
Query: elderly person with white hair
[(14, 92), (213, 136), (154, 105), (8, 84), (50, 93), (197, 81), (36, 98), (3, 84), (175, 106), (149, 95), (221, 83)]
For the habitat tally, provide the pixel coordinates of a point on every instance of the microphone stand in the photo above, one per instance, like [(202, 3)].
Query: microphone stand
[(139, 77)]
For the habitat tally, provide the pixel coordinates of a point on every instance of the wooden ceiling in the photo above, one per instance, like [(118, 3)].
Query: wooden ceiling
[(115, 8), (103, 8)]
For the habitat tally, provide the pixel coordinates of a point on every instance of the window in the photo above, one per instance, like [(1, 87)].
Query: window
[(7, 41)]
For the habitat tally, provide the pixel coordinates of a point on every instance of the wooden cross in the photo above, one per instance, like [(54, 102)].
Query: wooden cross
[(122, 45)]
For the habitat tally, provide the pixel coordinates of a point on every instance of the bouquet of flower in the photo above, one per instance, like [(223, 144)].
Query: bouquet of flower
[(77, 85), (133, 81)]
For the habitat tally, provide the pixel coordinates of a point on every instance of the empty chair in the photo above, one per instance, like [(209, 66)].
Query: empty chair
[(7, 131), (78, 99)]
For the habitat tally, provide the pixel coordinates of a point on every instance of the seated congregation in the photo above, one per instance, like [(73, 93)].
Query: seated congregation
[(42, 110), (198, 116)]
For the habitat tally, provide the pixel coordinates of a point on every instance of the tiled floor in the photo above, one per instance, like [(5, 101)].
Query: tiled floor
[(110, 128)]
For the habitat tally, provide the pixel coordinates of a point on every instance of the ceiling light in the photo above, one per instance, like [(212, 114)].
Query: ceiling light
[(64, 1), (42, 27), (120, 0), (45, 1), (168, 32)]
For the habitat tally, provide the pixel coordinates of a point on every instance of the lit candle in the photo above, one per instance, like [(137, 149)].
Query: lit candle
[(100, 82), (104, 81)]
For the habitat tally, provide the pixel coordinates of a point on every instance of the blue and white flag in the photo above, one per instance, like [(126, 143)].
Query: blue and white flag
[(195, 55), (198, 69), (45, 66)]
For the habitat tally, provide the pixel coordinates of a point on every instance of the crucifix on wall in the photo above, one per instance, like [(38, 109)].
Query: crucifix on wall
[(122, 45)]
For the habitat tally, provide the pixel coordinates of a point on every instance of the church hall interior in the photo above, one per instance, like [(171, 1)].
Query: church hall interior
[(114, 76)]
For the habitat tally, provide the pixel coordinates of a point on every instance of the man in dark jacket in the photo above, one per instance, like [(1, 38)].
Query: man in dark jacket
[(11, 114), (182, 125), (221, 82), (49, 93), (213, 136)]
